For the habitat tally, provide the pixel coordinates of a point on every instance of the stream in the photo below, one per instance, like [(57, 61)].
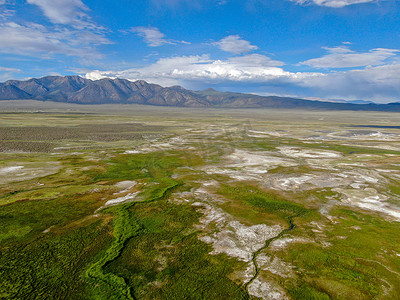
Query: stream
[(266, 245)]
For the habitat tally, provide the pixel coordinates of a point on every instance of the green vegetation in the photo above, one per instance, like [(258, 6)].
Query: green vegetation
[(354, 265), (264, 201), (125, 225), (306, 291), (109, 285), (345, 149), (33, 217), (170, 262), (51, 266), (48, 193), (152, 166), (156, 168)]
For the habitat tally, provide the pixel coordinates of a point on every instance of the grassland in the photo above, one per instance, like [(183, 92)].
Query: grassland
[(101, 202)]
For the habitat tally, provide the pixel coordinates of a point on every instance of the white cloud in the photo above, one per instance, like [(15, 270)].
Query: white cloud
[(67, 12), (332, 3), (72, 32), (5, 69), (36, 40), (175, 70), (379, 83), (255, 60), (343, 57), (7, 73), (153, 36), (234, 44), (5, 11)]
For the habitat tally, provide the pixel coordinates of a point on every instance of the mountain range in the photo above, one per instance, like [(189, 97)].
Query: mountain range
[(76, 89)]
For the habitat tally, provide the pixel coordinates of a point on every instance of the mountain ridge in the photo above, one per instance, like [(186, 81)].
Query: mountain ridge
[(79, 90)]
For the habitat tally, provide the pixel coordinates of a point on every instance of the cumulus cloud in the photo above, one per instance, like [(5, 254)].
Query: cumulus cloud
[(71, 12), (263, 75), (379, 83), (36, 40), (234, 44), (174, 70), (331, 3), (153, 36), (343, 57), (255, 60), (200, 67)]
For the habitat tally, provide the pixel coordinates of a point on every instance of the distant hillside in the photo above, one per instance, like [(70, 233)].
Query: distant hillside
[(75, 89)]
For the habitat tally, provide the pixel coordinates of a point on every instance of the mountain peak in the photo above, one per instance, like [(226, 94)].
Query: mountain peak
[(76, 89), (141, 82)]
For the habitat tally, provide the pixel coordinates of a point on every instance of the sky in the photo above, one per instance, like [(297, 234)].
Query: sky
[(313, 49)]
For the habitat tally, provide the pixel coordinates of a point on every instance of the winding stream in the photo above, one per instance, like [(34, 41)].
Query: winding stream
[(266, 245)]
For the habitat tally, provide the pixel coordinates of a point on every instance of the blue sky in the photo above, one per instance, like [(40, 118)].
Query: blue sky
[(317, 49)]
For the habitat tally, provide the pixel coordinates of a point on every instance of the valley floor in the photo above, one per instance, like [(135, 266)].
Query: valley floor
[(135, 202)]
